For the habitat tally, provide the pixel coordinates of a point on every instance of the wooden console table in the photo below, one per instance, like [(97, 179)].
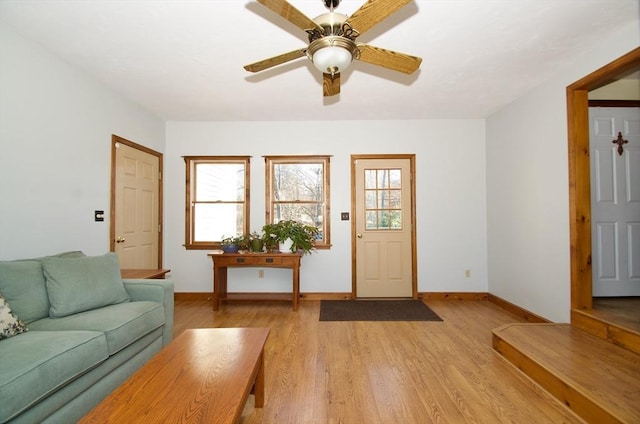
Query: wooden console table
[(222, 261)]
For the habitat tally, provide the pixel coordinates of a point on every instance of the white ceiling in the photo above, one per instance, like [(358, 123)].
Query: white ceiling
[(183, 59)]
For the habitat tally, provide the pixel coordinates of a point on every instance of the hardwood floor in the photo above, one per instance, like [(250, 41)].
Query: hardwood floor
[(624, 311), (597, 379), (383, 372)]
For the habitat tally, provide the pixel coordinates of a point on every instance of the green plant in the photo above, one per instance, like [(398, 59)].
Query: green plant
[(234, 243), (302, 235), (228, 241), (255, 241)]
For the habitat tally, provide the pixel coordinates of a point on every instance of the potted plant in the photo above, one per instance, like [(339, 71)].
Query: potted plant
[(255, 242), (232, 244), (302, 237)]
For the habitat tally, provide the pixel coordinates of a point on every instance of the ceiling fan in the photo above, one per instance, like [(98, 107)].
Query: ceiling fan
[(332, 40)]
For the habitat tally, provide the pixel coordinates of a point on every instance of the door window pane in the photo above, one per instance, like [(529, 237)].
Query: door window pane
[(383, 199)]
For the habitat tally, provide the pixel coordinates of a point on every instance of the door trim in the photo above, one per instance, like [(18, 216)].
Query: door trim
[(414, 255), (579, 174), (112, 213)]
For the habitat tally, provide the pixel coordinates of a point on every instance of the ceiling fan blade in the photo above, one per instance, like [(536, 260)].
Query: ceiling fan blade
[(290, 13), (389, 59), (274, 61), (372, 12), (330, 84)]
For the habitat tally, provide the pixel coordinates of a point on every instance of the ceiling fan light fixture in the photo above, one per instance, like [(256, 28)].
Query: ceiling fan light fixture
[(332, 40), (332, 55), (332, 60)]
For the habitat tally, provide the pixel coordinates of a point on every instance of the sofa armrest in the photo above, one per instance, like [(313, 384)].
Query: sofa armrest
[(160, 291)]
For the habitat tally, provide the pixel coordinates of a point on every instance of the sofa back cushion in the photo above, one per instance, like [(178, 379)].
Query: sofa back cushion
[(81, 284), (23, 286)]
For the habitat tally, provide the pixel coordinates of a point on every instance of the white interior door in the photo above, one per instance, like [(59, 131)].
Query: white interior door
[(136, 206), (615, 201), (383, 227)]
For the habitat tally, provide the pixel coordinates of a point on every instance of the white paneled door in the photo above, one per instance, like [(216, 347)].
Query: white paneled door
[(615, 200), (136, 198), (383, 227)]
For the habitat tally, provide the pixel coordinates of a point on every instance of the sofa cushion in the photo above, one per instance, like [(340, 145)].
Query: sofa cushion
[(37, 363), (81, 284), (23, 285), (122, 324), (10, 324)]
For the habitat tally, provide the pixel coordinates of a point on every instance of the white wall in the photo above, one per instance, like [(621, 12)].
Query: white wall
[(55, 139), (55, 134), (624, 89), (527, 188), (451, 197)]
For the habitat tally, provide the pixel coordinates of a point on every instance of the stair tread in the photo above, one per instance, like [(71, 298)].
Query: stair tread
[(607, 374)]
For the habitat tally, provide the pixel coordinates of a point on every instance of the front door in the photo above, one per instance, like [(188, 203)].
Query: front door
[(383, 226), (135, 207), (615, 200)]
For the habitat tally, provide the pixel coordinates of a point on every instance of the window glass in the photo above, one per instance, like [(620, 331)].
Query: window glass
[(383, 199), (217, 201), (298, 189)]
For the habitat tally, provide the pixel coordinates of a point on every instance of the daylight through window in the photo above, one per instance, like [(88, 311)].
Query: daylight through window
[(383, 199), (217, 200), (298, 189)]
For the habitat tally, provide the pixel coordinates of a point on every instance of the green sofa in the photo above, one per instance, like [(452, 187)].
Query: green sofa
[(78, 332)]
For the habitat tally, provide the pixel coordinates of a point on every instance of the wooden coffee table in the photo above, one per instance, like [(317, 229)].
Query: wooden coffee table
[(204, 375)]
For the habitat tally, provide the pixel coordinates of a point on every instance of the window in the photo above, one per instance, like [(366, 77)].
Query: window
[(297, 188), (217, 199), (383, 199)]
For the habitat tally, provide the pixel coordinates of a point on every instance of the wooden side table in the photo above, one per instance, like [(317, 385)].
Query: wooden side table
[(222, 261), (144, 273)]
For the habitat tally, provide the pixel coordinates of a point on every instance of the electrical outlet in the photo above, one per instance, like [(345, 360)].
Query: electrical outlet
[(261, 273), (467, 273)]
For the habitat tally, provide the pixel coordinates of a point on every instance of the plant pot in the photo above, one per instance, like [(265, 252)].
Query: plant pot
[(272, 248), (230, 248), (256, 245), (285, 246)]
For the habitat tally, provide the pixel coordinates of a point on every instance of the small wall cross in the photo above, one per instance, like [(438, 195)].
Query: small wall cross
[(620, 141)]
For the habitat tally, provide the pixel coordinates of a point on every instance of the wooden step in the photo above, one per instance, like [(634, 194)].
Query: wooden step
[(598, 380), (626, 335)]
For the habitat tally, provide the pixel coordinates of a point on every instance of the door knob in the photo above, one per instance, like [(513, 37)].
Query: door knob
[(120, 240), (359, 235)]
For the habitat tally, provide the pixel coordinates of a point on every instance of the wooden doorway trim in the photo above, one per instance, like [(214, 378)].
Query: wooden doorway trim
[(112, 213), (414, 253), (579, 178)]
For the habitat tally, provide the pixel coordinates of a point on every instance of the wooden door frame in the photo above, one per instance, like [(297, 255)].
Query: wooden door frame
[(579, 173), (112, 214), (414, 254)]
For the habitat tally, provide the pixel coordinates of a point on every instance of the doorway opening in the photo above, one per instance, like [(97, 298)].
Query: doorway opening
[(579, 174)]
